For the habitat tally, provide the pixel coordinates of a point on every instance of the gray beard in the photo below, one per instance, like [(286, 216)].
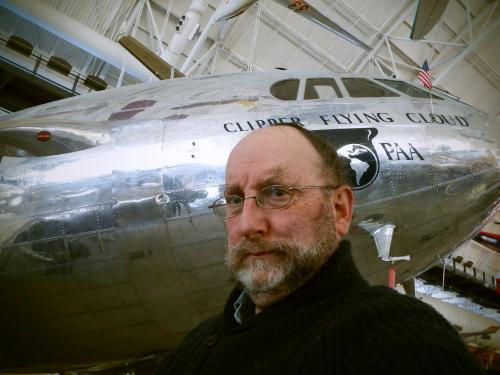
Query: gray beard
[(287, 269)]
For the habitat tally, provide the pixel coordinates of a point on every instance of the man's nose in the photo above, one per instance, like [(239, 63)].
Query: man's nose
[(252, 220)]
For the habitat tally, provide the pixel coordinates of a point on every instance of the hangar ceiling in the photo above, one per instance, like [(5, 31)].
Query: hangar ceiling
[(463, 48)]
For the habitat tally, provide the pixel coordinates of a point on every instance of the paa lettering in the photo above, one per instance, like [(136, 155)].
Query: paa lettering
[(395, 152)]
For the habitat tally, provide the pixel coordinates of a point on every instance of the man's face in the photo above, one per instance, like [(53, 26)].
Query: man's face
[(278, 249)]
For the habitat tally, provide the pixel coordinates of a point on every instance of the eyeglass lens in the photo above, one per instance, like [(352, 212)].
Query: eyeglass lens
[(274, 196)]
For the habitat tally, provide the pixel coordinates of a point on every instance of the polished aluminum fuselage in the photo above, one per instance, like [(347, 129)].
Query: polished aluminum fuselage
[(108, 249)]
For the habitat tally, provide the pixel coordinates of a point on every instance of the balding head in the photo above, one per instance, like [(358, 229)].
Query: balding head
[(279, 149), (332, 166)]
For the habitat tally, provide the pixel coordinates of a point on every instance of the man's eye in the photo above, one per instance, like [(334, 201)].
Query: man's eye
[(233, 199), (276, 191)]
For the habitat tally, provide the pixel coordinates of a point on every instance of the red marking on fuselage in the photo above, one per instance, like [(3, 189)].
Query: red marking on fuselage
[(43, 136)]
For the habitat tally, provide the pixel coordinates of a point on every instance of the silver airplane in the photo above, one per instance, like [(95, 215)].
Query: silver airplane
[(109, 251)]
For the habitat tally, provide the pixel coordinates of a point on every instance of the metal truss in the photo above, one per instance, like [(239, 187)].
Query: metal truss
[(391, 63)]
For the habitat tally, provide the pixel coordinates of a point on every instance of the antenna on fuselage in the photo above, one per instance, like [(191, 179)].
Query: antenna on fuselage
[(383, 239)]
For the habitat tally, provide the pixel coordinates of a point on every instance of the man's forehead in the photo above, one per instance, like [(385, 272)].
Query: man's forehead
[(274, 133), (273, 142), (271, 176), (276, 155)]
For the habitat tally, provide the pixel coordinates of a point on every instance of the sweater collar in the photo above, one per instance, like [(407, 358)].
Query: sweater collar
[(336, 276)]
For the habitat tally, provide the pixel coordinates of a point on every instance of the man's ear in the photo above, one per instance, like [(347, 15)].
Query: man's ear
[(343, 201)]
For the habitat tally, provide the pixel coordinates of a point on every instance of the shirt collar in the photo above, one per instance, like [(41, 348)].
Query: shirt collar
[(238, 304)]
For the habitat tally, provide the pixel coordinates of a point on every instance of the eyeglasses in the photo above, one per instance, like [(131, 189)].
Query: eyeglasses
[(274, 196)]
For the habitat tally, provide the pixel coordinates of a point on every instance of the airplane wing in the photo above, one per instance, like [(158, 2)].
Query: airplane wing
[(308, 11), (155, 64), (428, 13), (50, 137)]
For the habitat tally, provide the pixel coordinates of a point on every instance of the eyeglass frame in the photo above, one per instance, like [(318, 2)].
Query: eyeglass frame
[(288, 188)]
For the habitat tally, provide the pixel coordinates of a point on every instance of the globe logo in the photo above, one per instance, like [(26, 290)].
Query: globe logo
[(362, 162)]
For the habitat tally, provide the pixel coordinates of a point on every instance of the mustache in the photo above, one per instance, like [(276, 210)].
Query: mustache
[(249, 246)]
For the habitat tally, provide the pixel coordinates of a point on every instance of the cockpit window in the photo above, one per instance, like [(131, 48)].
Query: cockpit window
[(364, 88), (286, 89), (407, 89), (321, 88)]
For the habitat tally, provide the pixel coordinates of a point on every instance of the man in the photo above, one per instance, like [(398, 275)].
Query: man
[(300, 306)]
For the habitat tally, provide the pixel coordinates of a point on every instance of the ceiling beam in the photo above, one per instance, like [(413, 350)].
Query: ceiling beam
[(299, 40), (406, 11), (462, 54), (460, 35)]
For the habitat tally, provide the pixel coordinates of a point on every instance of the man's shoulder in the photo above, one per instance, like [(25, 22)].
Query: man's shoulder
[(384, 310), (206, 326), (381, 299), (401, 328), (192, 349), (387, 298)]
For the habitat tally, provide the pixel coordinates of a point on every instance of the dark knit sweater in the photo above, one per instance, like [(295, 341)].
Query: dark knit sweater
[(335, 324)]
